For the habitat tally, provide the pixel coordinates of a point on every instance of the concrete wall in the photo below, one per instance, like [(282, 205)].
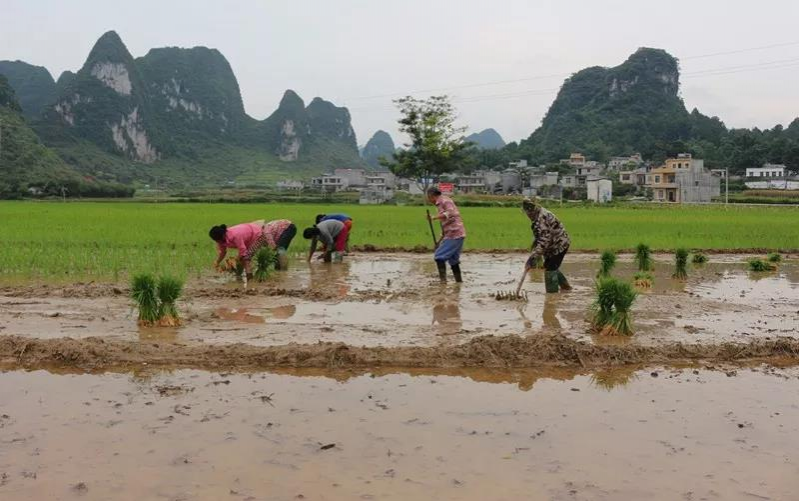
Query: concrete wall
[(697, 186)]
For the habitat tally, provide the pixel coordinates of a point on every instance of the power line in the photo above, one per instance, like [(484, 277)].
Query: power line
[(740, 51), (556, 75)]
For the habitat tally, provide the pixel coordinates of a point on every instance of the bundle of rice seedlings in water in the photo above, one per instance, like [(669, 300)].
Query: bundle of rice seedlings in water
[(602, 308), (680, 264), (538, 263), (760, 265), (643, 280), (774, 258), (606, 263), (643, 257), (699, 258), (621, 323), (169, 290), (265, 259), (232, 265), (610, 313), (143, 290)]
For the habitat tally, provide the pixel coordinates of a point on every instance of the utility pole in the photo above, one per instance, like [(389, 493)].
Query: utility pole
[(726, 186)]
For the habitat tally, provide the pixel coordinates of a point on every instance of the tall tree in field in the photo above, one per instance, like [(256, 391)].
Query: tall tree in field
[(436, 145)]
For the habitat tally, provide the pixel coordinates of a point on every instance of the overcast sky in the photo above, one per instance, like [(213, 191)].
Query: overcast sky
[(349, 51)]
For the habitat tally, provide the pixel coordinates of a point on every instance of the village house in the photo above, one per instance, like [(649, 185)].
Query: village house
[(629, 163), (635, 177), (683, 180), (768, 170), (599, 189), (354, 179), (290, 185)]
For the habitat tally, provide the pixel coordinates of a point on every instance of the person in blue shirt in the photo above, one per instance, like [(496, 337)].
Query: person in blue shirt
[(344, 218)]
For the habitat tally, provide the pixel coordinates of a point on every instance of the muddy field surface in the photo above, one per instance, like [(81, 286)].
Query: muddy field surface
[(392, 300), (658, 433)]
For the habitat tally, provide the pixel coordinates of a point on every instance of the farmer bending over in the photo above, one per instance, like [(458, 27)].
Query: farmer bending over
[(333, 234), (344, 218), (248, 238), (452, 234), (551, 242)]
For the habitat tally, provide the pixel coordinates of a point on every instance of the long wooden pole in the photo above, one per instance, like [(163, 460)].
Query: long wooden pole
[(432, 231)]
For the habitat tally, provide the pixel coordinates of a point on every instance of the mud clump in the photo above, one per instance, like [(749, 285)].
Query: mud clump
[(486, 351)]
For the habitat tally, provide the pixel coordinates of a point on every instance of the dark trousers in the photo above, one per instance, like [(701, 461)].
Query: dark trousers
[(552, 263), (286, 237)]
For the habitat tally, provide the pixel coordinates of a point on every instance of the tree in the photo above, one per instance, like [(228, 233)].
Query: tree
[(436, 145)]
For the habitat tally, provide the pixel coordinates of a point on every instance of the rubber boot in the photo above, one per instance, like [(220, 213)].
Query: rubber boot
[(456, 270), (282, 260), (551, 281), (564, 284), (442, 270)]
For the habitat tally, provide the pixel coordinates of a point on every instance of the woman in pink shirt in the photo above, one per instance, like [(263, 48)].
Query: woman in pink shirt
[(249, 237)]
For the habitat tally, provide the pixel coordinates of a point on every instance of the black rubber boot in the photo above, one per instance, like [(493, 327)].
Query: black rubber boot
[(442, 270), (563, 283), (551, 281), (456, 270)]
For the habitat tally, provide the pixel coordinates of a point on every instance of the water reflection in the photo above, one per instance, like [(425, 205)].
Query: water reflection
[(607, 379), (331, 278), (447, 315), (238, 315)]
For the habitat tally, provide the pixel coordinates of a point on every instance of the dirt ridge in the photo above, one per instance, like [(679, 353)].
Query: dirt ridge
[(486, 351)]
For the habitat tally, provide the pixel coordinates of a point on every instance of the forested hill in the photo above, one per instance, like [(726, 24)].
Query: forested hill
[(177, 115), (636, 107)]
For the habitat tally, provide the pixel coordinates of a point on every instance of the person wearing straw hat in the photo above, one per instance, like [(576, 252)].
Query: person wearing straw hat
[(550, 242)]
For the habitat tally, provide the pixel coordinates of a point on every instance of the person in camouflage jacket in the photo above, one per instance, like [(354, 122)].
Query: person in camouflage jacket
[(551, 242)]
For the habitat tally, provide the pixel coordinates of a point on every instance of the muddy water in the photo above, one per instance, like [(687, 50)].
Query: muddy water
[(393, 300), (684, 434)]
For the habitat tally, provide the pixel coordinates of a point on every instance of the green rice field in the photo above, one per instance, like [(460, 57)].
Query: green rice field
[(108, 240)]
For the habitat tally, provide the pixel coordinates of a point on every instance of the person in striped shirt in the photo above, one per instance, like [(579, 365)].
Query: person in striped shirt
[(248, 238)]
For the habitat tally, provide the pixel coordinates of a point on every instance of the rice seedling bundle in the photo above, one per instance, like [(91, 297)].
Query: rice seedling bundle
[(610, 312), (169, 290), (156, 300), (680, 264), (602, 308), (774, 258), (606, 263), (538, 263), (143, 290), (265, 259), (643, 257), (643, 280), (699, 258), (760, 265)]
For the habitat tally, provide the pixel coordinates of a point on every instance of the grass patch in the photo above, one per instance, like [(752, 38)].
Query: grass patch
[(104, 240)]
